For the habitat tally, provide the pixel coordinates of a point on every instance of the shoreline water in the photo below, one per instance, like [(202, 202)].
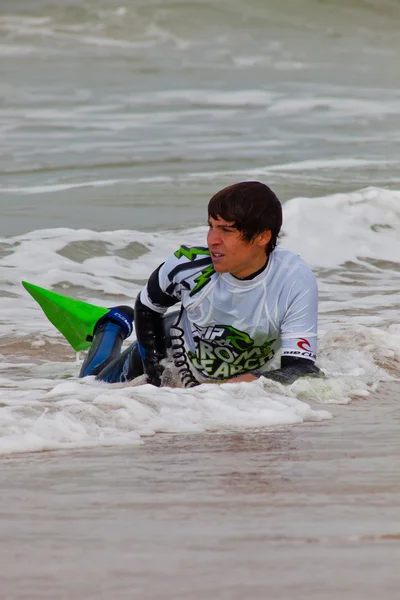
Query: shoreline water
[(307, 511)]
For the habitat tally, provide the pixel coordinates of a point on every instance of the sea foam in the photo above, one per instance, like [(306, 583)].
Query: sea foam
[(350, 241)]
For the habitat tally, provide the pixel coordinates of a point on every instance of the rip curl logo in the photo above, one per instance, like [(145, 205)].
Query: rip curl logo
[(223, 352), (304, 350), (304, 344)]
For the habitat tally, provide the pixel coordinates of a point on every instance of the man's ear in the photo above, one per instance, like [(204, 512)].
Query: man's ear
[(264, 238)]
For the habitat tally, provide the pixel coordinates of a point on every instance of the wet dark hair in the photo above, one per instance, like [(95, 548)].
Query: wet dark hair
[(252, 206)]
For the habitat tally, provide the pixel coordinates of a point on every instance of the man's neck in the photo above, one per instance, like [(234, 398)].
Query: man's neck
[(253, 275)]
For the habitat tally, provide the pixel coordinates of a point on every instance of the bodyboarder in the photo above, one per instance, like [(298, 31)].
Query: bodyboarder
[(242, 300)]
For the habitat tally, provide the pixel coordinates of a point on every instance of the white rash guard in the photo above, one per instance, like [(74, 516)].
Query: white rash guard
[(231, 326)]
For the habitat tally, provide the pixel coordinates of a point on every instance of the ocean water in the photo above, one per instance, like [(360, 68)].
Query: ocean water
[(118, 122)]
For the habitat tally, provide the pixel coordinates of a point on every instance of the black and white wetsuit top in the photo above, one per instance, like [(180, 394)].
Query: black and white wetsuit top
[(231, 326)]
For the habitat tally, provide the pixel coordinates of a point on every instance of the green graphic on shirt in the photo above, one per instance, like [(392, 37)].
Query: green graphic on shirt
[(239, 339), (223, 352), (202, 279), (191, 253)]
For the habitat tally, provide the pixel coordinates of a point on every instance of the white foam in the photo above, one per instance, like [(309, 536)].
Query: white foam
[(90, 34), (86, 413), (332, 163), (41, 414), (201, 97), (322, 107), (57, 187), (332, 230)]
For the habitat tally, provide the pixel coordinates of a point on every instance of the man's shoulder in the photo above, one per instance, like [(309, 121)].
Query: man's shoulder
[(185, 260), (287, 257), (289, 265), (189, 266)]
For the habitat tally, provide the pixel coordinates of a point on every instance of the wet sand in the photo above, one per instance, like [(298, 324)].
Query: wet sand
[(310, 511)]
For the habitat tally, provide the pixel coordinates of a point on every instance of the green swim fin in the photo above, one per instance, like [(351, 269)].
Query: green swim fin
[(75, 319)]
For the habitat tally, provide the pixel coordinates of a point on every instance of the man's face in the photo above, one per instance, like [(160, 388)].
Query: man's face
[(230, 253)]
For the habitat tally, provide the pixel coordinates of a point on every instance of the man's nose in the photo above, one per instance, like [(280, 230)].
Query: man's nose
[(213, 237)]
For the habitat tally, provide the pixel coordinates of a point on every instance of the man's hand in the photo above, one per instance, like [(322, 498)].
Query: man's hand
[(154, 374), (244, 377)]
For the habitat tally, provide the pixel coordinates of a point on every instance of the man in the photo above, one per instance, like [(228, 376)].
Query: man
[(242, 300)]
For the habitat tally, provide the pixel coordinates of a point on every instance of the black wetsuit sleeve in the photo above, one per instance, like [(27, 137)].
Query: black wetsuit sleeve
[(151, 340), (293, 368)]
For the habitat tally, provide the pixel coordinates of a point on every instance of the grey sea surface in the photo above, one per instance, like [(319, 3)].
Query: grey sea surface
[(130, 116), (136, 113), (304, 512)]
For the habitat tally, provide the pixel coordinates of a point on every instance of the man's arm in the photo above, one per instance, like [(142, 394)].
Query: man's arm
[(151, 341), (299, 330), (291, 369), (150, 306)]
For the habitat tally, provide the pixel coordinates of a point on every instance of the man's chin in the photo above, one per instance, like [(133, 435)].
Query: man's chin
[(219, 268)]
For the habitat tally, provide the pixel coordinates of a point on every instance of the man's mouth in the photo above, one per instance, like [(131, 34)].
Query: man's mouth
[(216, 255)]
